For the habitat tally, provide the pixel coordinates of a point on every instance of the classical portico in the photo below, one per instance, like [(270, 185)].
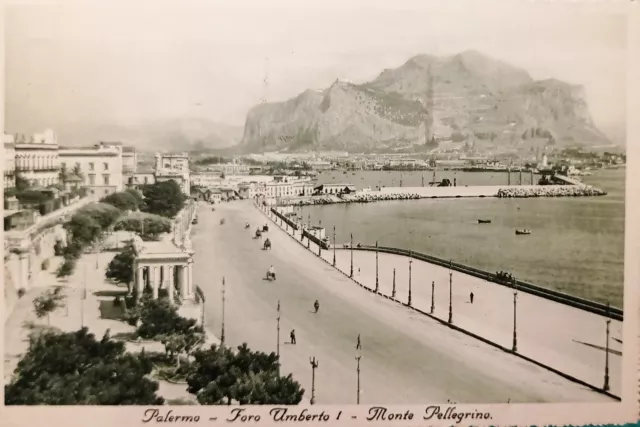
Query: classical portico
[(163, 265)]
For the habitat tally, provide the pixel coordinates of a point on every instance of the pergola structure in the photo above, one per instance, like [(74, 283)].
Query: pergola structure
[(164, 265)]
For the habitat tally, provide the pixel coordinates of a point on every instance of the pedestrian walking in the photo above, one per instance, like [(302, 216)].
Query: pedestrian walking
[(471, 297), (316, 306), (358, 344), (292, 335)]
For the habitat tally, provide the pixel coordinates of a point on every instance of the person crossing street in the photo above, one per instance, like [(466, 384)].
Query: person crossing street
[(316, 306), (292, 335)]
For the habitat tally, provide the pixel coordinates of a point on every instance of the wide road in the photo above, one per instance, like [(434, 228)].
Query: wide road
[(406, 358)]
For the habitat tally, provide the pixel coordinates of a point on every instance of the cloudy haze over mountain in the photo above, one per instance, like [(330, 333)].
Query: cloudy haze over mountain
[(189, 70)]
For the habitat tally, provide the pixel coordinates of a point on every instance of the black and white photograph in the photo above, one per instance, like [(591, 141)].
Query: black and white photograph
[(397, 213)]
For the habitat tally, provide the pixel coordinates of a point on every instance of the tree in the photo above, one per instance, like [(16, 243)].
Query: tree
[(163, 198), (47, 303), (120, 268), (222, 376), (83, 229), (125, 201), (76, 369), (158, 317), (102, 213), (67, 267), (147, 226)]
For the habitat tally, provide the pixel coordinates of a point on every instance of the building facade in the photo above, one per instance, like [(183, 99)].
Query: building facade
[(9, 155), (335, 189), (174, 167), (100, 166), (36, 158)]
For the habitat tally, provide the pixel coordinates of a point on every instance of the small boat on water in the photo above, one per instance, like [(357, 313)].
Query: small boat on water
[(484, 221), (523, 232)]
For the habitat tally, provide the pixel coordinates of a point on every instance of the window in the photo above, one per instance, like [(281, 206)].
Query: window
[(146, 180), (63, 165), (106, 179), (92, 166), (92, 179), (106, 191), (106, 166)]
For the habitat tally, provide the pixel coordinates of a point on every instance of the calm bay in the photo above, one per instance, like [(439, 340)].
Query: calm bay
[(576, 245)]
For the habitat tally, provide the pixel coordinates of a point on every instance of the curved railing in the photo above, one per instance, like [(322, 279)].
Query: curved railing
[(560, 297)]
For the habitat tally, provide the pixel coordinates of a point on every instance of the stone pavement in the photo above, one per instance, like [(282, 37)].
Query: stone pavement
[(562, 337)]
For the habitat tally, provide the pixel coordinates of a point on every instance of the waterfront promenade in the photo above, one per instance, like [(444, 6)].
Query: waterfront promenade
[(406, 358), (562, 337)]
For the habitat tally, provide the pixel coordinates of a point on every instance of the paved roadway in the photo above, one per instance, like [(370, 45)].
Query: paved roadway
[(406, 358)]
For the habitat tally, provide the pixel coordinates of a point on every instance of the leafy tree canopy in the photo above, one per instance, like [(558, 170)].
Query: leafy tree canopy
[(158, 317), (147, 226), (163, 198), (223, 376), (83, 229), (124, 201), (120, 268), (102, 213), (76, 369)]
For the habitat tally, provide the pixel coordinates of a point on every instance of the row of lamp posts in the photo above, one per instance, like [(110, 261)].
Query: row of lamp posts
[(514, 345)]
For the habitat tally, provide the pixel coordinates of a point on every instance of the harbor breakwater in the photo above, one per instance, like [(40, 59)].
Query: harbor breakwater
[(415, 193)]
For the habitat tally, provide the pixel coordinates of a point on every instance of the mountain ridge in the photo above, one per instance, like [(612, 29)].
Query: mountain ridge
[(476, 99)]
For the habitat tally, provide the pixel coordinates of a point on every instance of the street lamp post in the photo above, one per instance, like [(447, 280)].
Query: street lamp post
[(334, 245), (450, 293), (358, 385), (351, 247), (377, 282), (514, 346), (278, 330), (314, 366), (410, 262), (606, 386), (393, 289), (433, 296), (223, 303)]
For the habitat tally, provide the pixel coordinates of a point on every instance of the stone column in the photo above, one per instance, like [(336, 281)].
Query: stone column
[(155, 279), (190, 286), (183, 281), (168, 281), (139, 279)]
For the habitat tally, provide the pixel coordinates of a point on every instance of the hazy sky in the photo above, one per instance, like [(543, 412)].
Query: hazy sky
[(118, 63)]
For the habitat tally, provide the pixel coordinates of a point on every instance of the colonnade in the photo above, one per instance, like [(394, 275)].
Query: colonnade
[(175, 276)]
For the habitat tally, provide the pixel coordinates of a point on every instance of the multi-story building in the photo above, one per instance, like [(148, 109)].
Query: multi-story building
[(9, 155), (100, 166), (36, 159), (174, 167), (303, 188)]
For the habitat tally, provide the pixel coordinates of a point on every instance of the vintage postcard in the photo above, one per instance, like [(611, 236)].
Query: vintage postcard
[(394, 213)]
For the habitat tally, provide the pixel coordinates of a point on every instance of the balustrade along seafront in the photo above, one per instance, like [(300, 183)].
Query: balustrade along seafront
[(545, 327)]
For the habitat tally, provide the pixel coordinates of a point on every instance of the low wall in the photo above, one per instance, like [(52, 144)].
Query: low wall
[(285, 219), (560, 297), (467, 270)]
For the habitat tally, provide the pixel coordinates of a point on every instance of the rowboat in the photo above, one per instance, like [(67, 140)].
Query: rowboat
[(523, 232), (484, 221)]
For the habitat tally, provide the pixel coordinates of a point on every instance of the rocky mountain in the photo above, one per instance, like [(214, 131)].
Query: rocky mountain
[(185, 134), (476, 99)]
